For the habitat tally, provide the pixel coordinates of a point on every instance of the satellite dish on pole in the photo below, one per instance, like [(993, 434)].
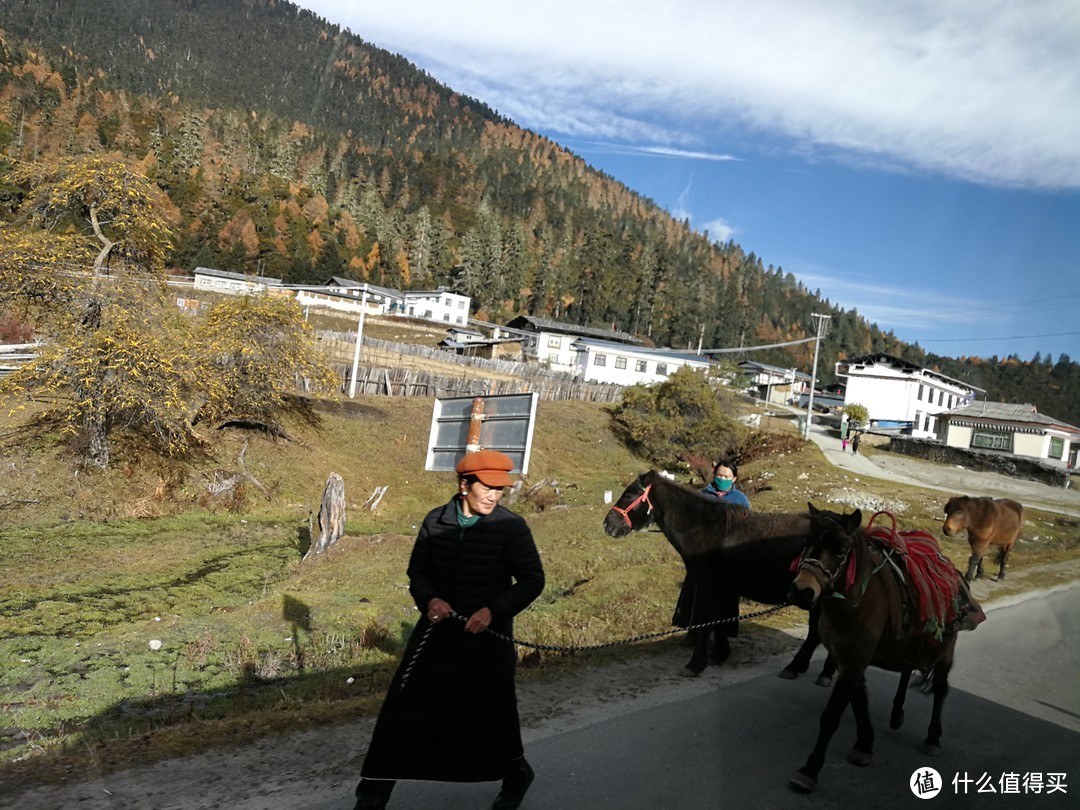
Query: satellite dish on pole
[(460, 425)]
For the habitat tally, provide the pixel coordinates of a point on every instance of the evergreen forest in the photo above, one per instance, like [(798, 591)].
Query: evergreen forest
[(288, 147)]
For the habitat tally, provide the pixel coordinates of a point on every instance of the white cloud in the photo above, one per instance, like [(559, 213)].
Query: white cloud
[(719, 230), (984, 90)]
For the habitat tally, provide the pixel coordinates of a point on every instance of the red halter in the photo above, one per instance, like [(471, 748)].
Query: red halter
[(644, 496)]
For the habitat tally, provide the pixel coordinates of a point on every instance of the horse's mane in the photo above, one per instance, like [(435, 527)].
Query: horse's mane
[(728, 520)]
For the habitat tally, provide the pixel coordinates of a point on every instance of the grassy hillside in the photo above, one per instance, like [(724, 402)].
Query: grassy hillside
[(252, 639)]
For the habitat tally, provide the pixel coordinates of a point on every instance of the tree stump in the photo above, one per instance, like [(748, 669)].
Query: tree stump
[(331, 515)]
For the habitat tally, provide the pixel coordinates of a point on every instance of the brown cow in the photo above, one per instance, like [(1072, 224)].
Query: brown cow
[(989, 522)]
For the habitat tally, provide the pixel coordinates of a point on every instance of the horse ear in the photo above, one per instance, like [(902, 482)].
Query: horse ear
[(854, 520), (811, 509)]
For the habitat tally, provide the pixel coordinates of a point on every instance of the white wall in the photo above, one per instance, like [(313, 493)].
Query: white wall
[(440, 306), (890, 394), (657, 368), (554, 350)]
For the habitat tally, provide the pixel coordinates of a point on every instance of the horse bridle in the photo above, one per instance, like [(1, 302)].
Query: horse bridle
[(825, 578), (644, 496)]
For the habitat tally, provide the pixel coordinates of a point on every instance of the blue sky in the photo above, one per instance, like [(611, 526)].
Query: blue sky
[(916, 161)]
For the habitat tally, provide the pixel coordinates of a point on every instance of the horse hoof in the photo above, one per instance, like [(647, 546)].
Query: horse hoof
[(789, 674), (690, 673), (823, 680), (896, 722), (860, 758), (803, 783), (930, 749)]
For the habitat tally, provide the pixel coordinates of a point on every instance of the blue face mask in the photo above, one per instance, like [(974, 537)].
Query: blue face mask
[(722, 484)]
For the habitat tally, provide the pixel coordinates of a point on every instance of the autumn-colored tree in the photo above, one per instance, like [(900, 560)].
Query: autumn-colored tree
[(255, 352), (84, 263), (84, 260), (858, 415)]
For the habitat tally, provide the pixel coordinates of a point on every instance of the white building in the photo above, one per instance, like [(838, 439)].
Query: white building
[(901, 395), (1019, 430), (552, 342), (603, 361), (441, 306), (345, 295), (776, 385), (222, 281)]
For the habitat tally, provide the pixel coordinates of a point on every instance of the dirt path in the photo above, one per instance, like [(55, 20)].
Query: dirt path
[(954, 480)]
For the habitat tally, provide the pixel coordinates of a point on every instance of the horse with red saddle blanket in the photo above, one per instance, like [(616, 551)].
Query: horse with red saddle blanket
[(888, 599)]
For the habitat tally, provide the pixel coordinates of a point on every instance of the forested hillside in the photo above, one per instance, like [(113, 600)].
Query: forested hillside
[(289, 147)]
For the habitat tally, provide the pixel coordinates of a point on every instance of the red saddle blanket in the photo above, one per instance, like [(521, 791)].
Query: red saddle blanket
[(940, 594)]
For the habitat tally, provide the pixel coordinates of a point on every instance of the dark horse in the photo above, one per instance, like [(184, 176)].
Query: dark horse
[(989, 522), (729, 552), (888, 600)]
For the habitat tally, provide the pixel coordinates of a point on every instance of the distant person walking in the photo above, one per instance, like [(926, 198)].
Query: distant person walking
[(843, 445), (855, 441)]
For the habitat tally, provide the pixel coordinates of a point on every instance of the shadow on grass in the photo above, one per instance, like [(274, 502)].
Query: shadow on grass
[(170, 722)]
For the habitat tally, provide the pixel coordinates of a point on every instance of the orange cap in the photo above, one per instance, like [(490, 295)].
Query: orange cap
[(491, 467)]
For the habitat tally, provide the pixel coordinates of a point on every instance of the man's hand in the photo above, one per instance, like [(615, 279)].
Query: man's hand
[(479, 621)]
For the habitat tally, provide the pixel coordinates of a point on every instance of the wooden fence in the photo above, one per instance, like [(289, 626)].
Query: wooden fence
[(15, 355), (384, 370)]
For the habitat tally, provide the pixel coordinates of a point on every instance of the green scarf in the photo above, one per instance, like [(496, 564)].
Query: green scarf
[(463, 521)]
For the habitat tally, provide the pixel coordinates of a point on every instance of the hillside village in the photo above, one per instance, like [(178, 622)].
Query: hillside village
[(902, 398)]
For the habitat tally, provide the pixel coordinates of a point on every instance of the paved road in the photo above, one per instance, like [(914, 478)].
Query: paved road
[(1014, 708), (729, 739)]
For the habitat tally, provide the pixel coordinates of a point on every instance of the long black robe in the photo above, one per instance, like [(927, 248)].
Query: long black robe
[(451, 711)]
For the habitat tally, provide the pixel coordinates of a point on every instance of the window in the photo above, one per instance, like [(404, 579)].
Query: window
[(458, 320), (554, 342), (1057, 447), (446, 317), (920, 396), (553, 358), (600, 360), (940, 397), (461, 305), (661, 369), (640, 366), (620, 362), (991, 439), (926, 423)]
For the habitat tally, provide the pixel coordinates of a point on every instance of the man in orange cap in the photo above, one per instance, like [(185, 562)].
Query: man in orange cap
[(451, 712)]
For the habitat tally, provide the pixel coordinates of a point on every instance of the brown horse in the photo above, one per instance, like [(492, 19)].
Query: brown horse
[(729, 552), (888, 600), (989, 522)]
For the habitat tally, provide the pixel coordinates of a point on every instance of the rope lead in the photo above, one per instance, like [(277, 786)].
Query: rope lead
[(633, 639)]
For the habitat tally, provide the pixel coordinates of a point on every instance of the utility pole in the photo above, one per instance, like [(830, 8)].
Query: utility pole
[(359, 337), (822, 324)]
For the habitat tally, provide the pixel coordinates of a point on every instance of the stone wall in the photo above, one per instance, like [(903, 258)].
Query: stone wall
[(981, 460)]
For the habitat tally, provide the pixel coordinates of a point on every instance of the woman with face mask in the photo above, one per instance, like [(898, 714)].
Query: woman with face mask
[(722, 487)]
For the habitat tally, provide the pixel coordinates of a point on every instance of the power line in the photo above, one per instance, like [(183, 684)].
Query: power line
[(757, 348), (1010, 337)]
